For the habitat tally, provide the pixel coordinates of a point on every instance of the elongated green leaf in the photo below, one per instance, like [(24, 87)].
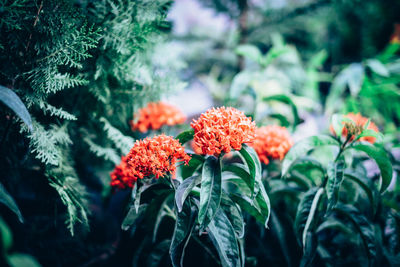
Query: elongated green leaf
[(309, 250), (7, 200), (287, 100), (335, 177), (306, 211), (253, 163), (184, 189), (224, 239), (365, 184), (363, 226), (22, 260), (303, 147), (210, 193), (262, 200), (160, 216), (249, 206), (132, 216), (158, 252), (185, 136), (185, 221), (154, 208), (241, 171), (233, 213), (12, 100), (251, 159), (379, 155), (137, 195)]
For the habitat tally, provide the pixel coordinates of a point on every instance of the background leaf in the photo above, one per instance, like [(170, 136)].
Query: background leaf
[(379, 155), (12, 100), (302, 147)]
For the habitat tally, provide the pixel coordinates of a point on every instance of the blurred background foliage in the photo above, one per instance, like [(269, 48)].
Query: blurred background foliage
[(82, 68)]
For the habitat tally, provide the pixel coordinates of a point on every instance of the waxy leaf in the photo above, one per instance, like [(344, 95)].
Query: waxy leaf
[(210, 192), (185, 136), (241, 171), (234, 214), (335, 177), (287, 100), (379, 155), (194, 164), (132, 216), (158, 252), (184, 225), (7, 200), (303, 147), (364, 227), (184, 190), (370, 133), (224, 239), (366, 184), (306, 212), (253, 163), (12, 100)]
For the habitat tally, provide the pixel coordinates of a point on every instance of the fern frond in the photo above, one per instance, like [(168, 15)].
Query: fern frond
[(103, 152), (121, 141)]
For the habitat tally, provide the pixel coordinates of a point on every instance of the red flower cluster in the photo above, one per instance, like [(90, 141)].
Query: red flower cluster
[(122, 175), (360, 122), (156, 115), (151, 156), (272, 142), (221, 129)]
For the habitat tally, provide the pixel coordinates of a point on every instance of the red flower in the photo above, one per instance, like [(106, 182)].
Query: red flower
[(221, 129), (156, 115), (122, 175), (356, 129), (156, 156), (272, 142)]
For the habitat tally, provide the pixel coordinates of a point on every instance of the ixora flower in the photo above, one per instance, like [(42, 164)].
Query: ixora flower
[(222, 129), (357, 127), (272, 142), (156, 115), (156, 156), (122, 176)]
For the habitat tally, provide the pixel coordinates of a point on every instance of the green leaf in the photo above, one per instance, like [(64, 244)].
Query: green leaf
[(335, 177), (223, 236), (377, 67), (363, 226), (253, 163), (5, 236), (287, 100), (12, 100), (241, 171), (234, 214), (184, 190), (303, 147), (185, 136), (251, 159), (249, 51), (370, 133), (252, 208), (365, 184), (306, 211), (306, 163), (22, 260), (210, 193), (132, 216), (158, 252), (309, 250), (184, 225), (379, 155), (7, 200)]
